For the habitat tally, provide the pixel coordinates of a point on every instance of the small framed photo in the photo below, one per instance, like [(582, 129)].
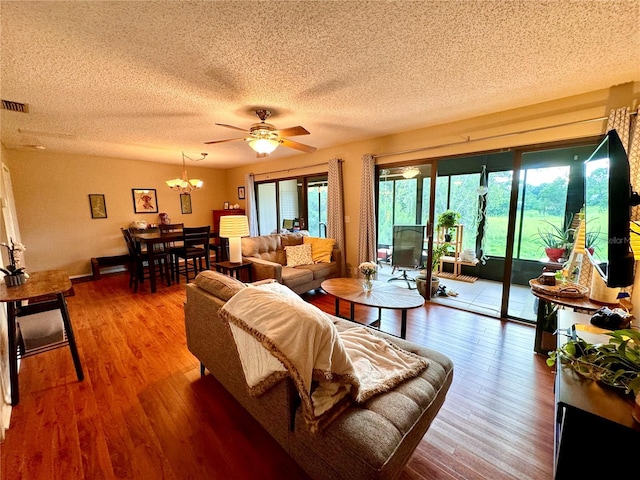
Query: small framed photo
[(185, 203), (241, 193), (98, 205), (226, 205), (144, 200)]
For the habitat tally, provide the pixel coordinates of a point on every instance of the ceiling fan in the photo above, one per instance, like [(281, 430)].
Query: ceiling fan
[(264, 138)]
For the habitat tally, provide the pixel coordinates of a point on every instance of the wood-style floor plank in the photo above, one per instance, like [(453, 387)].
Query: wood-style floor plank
[(144, 412)]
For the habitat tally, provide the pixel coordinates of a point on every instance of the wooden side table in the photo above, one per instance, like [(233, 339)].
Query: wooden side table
[(234, 269), (40, 284)]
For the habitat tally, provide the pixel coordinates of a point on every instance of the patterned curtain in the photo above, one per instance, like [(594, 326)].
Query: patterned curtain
[(335, 209), (252, 211), (626, 125), (367, 247)]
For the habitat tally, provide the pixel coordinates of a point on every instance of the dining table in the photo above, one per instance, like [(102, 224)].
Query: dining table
[(151, 240)]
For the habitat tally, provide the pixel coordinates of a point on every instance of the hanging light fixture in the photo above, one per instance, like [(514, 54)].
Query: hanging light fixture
[(263, 141), (184, 185), (410, 172)]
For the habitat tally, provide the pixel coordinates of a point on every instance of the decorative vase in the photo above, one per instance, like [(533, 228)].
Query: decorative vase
[(367, 283), (14, 280)]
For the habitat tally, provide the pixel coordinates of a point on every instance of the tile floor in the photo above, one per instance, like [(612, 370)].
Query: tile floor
[(481, 296)]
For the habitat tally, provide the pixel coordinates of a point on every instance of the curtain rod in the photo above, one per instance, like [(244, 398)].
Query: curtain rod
[(492, 137), (294, 168)]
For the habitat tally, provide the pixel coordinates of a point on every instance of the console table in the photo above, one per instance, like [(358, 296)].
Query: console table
[(40, 286), (595, 433)]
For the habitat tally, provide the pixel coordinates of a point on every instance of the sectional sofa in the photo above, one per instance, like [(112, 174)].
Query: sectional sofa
[(368, 441)]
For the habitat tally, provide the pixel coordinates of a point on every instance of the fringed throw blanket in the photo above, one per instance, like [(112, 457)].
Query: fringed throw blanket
[(279, 334)]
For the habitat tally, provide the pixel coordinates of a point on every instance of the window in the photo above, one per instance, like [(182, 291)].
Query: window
[(542, 198), (293, 204)]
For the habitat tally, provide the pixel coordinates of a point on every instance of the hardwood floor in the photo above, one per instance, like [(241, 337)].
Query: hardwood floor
[(144, 412)]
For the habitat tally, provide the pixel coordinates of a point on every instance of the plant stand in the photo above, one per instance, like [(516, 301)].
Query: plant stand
[(456, 258)]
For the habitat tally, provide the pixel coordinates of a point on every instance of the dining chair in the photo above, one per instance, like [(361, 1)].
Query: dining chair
[(172, 247), (194, 250), (138, 265)]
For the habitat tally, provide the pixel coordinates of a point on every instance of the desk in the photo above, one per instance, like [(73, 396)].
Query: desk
[(594, 429), (234, 269), (49, 282), (382, 295)]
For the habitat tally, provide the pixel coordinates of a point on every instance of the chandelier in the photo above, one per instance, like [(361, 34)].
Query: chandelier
[(184, 185), (410, 172)]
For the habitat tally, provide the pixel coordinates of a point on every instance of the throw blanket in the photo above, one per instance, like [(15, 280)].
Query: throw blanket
[(277, 334)]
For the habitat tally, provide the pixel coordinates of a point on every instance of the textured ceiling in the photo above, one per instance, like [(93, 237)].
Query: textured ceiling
[(147, 80)]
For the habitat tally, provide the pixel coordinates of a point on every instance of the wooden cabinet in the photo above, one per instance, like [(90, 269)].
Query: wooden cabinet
[(594, 429), (455, 256), (221, 244)]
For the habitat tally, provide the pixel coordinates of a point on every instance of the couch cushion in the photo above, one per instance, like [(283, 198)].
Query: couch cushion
[(266, 247), (287, 239), (222, 286), (298, 255), (321, 248), (321, 270), (294, 277)]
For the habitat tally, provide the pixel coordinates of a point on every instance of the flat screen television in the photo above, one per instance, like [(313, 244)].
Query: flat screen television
[(608, 200)]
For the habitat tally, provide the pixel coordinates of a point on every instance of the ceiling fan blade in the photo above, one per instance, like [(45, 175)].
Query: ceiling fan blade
[(222, 141), (231, 126), (293, 131), (298, 146)]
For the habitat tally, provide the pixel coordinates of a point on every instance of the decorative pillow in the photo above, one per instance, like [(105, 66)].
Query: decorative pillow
[(222, 286), (299, 255), (321, 248)]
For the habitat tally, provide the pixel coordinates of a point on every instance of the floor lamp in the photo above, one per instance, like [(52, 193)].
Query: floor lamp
[(234, 227)]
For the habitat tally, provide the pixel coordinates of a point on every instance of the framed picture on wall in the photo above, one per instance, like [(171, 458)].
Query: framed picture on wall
[(185, 203), (144, 200), (241, 193), (226, 205), (98, 205)]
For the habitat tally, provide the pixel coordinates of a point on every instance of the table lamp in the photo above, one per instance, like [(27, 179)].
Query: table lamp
[(234, 227)]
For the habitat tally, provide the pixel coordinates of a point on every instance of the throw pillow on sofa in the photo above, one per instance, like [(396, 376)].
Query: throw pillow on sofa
[(321, 248), (298, 255)]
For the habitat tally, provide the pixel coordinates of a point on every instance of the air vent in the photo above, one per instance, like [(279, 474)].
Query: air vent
[(15, 106)]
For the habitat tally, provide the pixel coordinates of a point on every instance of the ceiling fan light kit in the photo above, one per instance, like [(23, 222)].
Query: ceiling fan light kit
[(264, 138), (184, 185)]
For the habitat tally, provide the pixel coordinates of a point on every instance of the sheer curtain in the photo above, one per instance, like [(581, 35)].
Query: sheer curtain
[(335, 209), (367, 248), (250, 208)]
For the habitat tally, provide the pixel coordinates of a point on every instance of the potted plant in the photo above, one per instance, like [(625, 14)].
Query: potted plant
[(590, 240), (555, 240), (438, 252), (13, 274), (616, 363), (448, 219)]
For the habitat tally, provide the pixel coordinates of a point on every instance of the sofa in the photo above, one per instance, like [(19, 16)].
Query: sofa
[(371, 440), (269, 256)]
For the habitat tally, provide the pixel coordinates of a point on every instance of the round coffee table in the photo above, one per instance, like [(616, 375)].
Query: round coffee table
[(382, 295)]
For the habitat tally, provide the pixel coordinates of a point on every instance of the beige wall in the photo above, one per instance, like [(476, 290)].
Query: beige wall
[(51, 194), (572, 109), (51, 189)]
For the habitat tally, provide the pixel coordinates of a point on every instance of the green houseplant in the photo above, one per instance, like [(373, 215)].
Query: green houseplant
[(448, 219), (616, 363), (555, 240)]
